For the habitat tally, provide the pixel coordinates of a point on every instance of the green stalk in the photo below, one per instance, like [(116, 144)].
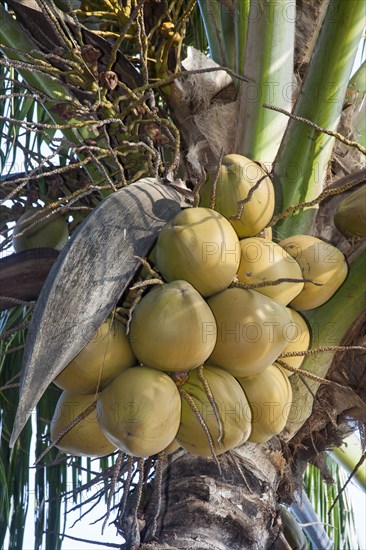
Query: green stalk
[(241, 22), (329, 324), (228, 32), (302, 161), (356, 96), (211, 16), (268, 63), (348, 455)]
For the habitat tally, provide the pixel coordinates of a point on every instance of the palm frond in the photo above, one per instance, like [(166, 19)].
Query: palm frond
[(340, 524)]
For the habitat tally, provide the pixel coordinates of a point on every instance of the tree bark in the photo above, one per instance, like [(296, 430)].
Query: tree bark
[(202, 508)]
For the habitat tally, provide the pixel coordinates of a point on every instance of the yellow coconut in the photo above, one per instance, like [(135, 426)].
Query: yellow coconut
[(269, 394), (173, 328), (350, 216), (106, 355), (232, 407), (85, 438), (320, 262), (263, 261), (52, 232), (252, 331), (199, 246), (299, 341), (238, 175), (139, 411)]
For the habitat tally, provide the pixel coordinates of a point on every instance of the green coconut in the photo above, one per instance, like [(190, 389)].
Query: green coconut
[(106, 355), (173, 328), (139, 412), (85, 438), (232, 407), (300, 341), (52, 232), (252, 331), (262, 261), (269, 394), (237, 176), (350, 216), (320, 262), (199, 246)]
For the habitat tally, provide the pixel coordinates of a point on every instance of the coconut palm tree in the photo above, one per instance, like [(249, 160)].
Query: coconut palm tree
[(117, 92)]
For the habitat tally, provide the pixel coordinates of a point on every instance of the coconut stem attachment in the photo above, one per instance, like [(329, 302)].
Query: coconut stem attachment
[(242, 203), (198, 187), (203, 424), (331, 133), (127, 486), (211, 399), (234, 460), (67, 428), (158, 490), (115, 475), (147, 266), (320, 198), (275, 282), (215, 180), (311, 376), (148, 282), (321, 350)]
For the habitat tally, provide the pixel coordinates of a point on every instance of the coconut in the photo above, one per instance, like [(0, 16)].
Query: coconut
[(232, 407), (85, 438), (320, 262), (300, 341), (350, 216), (173, 328), (139, 411), (263, 260), (106, 355), (199, 246), (52, 232), (252, 331), (269, 394), (237, 177)]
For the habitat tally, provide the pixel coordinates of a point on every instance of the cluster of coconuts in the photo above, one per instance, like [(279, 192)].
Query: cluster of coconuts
[(198, 368)]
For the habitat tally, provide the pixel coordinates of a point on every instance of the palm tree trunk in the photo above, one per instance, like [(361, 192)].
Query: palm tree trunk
[(232, 510)]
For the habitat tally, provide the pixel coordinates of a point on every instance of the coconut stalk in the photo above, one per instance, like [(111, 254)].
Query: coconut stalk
[(211, 16), (301, 164), (268, 64), (329, 324), (232, 32)]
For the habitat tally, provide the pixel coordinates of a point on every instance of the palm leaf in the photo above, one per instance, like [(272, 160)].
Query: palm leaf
[(340, 524)]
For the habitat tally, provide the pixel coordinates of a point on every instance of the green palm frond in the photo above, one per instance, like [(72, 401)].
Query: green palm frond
[(340, 523), (52, 481), (21, 150)]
